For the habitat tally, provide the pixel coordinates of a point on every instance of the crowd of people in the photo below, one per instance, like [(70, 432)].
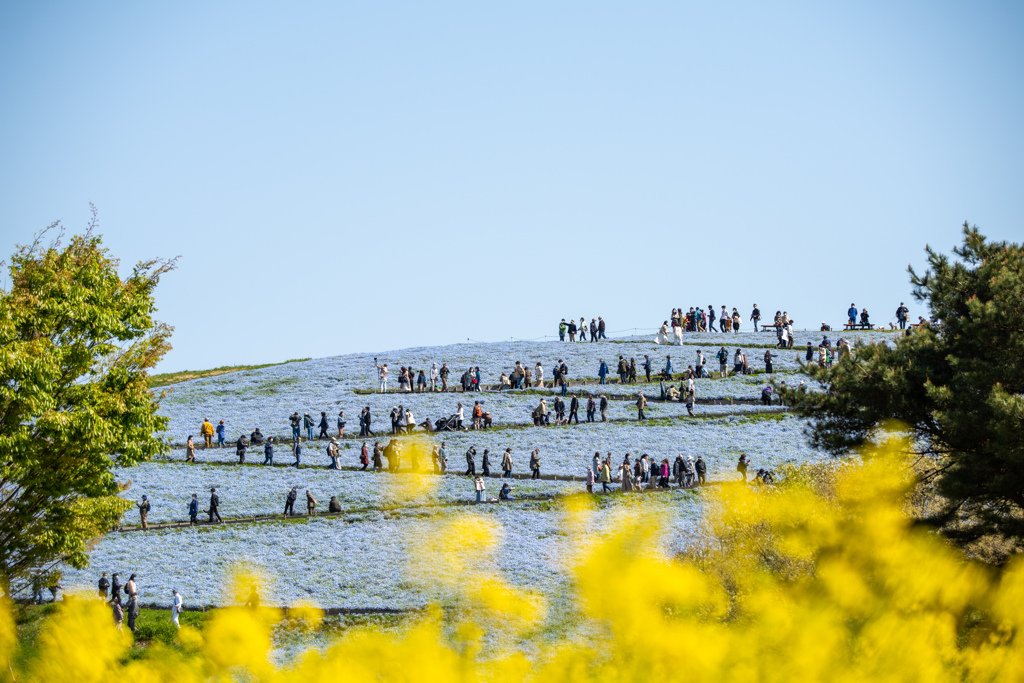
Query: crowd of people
[(579, 332), (109, 590)]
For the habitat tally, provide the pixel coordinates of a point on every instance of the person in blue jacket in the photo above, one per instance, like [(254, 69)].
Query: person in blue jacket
[(220, 434), (852, 313), (602, 371), (193, 510)]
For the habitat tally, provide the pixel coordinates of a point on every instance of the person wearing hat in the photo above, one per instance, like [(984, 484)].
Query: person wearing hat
[(144, 512)]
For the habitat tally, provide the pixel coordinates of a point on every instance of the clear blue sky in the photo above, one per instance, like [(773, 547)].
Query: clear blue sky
[(343, 177)]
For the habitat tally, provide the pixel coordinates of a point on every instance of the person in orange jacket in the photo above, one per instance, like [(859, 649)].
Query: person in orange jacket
[(206, 430)]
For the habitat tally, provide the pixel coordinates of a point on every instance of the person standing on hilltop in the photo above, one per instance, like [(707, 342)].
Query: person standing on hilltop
[(382, 375), (435, 377), (582, 329), (572, 330), (206, 431), (755, 316), (593, 330), (600, 328), (562, 328)]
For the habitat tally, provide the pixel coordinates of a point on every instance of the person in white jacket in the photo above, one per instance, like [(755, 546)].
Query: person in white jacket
[(478, 483), (176, 608), (460, 415), (435, 377), (538, 374)]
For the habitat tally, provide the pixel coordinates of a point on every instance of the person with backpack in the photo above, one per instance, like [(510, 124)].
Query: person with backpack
[(647, 367), (535, 464), (723, 360), (144, 508), (332, 453), (214, 510), (240, 447), (902, 314)]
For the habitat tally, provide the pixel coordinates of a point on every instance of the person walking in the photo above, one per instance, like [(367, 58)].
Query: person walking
[(471, 461), (600, 328), (364, 457), (641, 403), (538, 374), (143, 512), (190, 450), (604, 408), (115, 589), (590, 479), (591, 408), (755, 316), (478, 484), (593, 330), (902, 314), (572, 330), (308, 422), (289, 501), (193, 510), (214, 510), (268, 451), (435, 377), (582, 328), (297, 452), (444, 372), (378, 462), (485, 463), (324, 425), (506, 463), (574, 407), (535, 463), (310, 504), (176, 608), (332, 453), (206, 431), (221, 429), (132, 608)]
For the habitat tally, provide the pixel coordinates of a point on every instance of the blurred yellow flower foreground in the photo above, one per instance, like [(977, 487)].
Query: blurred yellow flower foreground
[(822, 578)]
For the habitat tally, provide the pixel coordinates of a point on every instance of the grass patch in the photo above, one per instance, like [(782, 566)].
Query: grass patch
[(168, 378)]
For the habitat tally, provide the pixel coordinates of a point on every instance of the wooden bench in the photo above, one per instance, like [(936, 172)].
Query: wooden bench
[(858, 326)]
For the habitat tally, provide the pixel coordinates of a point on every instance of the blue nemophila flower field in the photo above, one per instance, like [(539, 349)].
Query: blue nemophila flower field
[(365, 557)]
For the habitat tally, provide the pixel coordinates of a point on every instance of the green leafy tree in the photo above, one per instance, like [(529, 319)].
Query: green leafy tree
[(76, 343), (956, 384)]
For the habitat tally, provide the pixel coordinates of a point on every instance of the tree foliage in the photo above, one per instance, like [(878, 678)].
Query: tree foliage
[(956, 384), (76, 342)]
